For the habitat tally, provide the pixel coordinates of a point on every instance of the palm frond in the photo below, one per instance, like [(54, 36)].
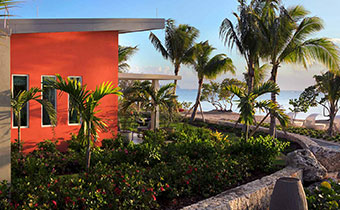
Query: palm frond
[(158, 45)]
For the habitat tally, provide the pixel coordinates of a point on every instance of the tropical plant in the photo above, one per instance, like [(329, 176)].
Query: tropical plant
[(85, 102), (178, 42), (285, 37), (210, 93), (20, 100), (225, 94), (207, 67), (247, 104), (124, 53), (144, 95), (306, 99)]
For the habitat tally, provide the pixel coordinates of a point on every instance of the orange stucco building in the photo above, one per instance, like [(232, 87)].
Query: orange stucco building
[(82, 49)]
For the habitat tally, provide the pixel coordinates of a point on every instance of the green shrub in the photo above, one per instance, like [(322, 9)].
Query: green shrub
[(260, 152), (325, 196), (186, 162)]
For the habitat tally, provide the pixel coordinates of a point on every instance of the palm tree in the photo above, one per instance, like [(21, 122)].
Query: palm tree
[(178, 42), (208, 68), (20, 100), (329, 84), (85, 103), (245, 35), (285, 40), (124, 53), (248, 104), (144, 94)]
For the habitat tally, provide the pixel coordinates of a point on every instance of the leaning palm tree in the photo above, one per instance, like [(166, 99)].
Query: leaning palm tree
[(85, 103), (248, 103), (178, 42), (20, 100), (124, 53), (286, 39), (208, 68)]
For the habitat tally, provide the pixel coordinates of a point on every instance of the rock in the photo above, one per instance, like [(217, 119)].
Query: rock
[(305, 159), (329, 158)]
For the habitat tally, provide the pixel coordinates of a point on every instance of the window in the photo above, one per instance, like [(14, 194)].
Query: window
[(19, 84), (48, 94), (73, 115)]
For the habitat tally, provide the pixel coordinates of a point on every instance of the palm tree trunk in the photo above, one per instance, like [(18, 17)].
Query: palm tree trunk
[(201, 111), (332, 114), (176, 74), (88, 152), (272, 128), (19, 130), (258, 125), (251, 75), (198, 98)]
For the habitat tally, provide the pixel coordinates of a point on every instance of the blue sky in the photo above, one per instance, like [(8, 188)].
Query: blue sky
[(202, 14)]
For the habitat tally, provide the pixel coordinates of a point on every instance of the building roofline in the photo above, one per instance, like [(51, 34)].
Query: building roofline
[(122, 25)]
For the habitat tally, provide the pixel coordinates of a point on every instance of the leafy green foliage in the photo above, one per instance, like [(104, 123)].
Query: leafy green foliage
[(186, 162), (124, 53), (306, 100), (325, 196)]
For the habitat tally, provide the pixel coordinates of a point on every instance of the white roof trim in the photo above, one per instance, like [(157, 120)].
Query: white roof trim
[(122, 25)]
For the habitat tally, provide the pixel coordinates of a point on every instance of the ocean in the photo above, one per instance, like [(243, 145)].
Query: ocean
[(189, 95)]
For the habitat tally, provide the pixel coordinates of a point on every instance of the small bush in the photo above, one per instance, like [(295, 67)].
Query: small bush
[(325, 196)]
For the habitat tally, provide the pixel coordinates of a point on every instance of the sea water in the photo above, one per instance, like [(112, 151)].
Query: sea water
[(189, 95)]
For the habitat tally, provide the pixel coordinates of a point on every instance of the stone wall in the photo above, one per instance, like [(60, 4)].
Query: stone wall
[(253, 195), (256, 195)]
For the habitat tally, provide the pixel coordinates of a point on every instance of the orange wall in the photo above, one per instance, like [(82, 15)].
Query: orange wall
[(92, 55)]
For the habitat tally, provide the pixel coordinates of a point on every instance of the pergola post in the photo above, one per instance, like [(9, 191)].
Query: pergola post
[(155, 114)]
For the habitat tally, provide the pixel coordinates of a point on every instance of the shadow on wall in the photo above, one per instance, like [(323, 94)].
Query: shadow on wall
[(5, 126)]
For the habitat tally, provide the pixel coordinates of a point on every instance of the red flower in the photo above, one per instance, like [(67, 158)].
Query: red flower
[(188, 171), (137, 171), (117, 190), (162, 189), (167, 185), (54, 202), (154, 197), (187, 182), (195, 169), (0, 192), (36, 205), (143, 190)]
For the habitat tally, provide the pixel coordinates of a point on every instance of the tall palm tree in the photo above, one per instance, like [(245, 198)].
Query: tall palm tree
[(20, 100), (178, 42), (207, 67), (247, 104), (285, 36), (245, 35), (124, 53), (85, 103)]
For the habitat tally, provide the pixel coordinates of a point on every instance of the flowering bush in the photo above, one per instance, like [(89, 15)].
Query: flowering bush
[(325, 196), (168, 165)]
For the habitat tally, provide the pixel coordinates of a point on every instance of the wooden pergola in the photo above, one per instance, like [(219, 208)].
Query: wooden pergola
[(155, 83)]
